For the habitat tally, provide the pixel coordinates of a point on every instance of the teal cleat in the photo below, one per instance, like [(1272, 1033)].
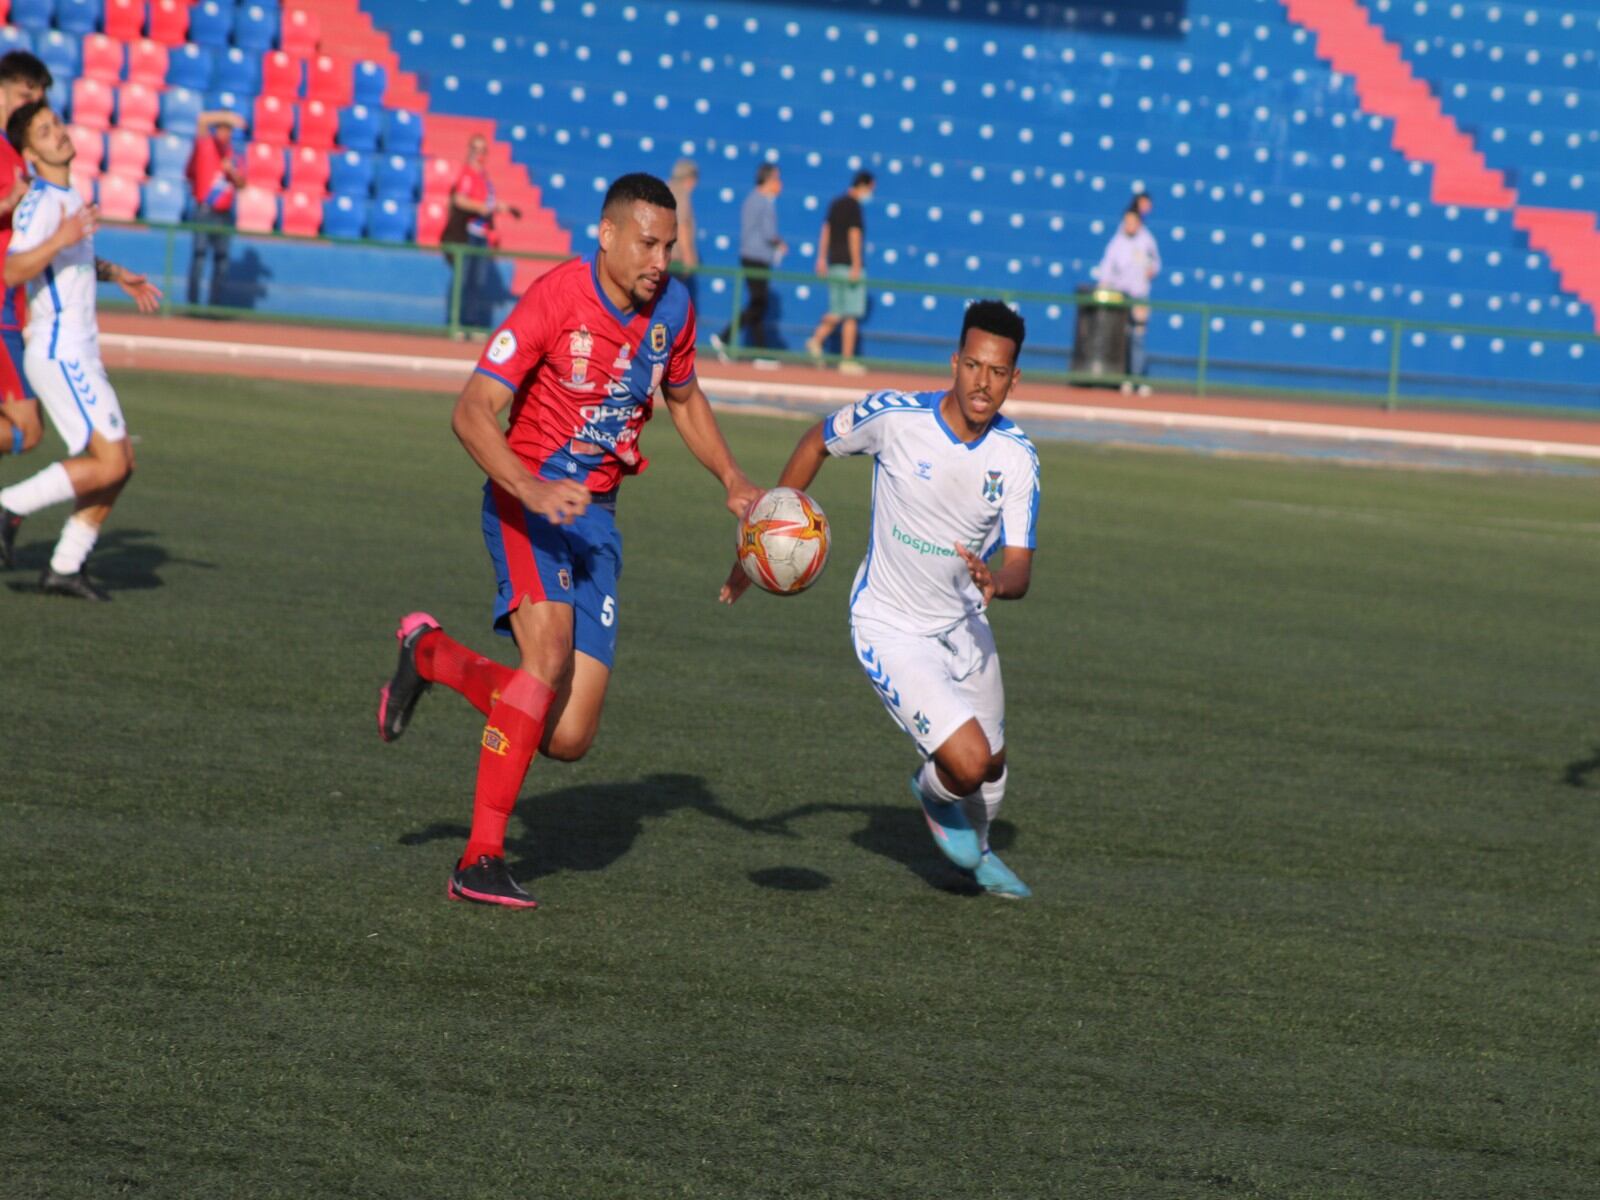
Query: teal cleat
[(951, 830), (998, 879)]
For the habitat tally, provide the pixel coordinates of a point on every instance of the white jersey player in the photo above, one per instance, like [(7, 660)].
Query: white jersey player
[(952, 482), (52, 251)]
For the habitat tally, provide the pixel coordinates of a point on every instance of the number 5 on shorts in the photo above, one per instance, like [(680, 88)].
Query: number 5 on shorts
[(608, 612)]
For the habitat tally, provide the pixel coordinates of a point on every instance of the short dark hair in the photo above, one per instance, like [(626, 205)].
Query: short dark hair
[(996, 317), (30, 68), (631, 188), (863, 179), (765, 172), (17, 123)]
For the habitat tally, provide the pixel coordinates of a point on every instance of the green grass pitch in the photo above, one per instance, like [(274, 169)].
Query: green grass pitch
[(1306, 778)]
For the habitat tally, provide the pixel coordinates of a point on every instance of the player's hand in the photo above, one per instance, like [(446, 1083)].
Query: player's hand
[(982, 578), (78, 226), (855, 274), (559, 501), (741, 495), (737, 583), (822, 269), (145, 294)]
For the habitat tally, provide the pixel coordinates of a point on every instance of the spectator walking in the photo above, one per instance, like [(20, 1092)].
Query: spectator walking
[(471, 223), (760, 249), (686, 251), (215, 178), (1130, 262), (841, 259)]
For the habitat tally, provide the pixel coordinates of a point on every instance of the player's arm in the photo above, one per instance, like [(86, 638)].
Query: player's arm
[(856, 264), (31, 252), (145, 294), (697, 426), (1010, 582), (822, 250), (476, 421)]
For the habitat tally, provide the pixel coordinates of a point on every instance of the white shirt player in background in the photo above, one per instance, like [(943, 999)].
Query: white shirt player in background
[(952, 482), (52, 251)]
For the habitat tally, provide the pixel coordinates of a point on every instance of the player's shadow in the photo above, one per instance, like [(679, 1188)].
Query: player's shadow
[(589, 827), (1579, 773), (124, 560)]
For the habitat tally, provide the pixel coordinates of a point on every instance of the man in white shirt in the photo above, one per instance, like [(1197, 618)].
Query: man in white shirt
[(952, 482), (52, 251), (1130, 262)]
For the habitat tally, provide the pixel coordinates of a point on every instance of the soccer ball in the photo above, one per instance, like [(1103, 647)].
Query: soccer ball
[(783, 541)]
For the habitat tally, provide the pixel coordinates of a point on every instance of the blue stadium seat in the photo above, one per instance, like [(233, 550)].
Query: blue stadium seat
[(164, 201), (371, 81), (180, 111), (33, 15), (237, 70), (61, 52), (255, 27), (350, 173), (234, 102), (190, 66), (398, 177), (211, 24), (358, 128), (13, 37), (390, 221), (170, 154), (402, 132), (345, 217), (78, 17)]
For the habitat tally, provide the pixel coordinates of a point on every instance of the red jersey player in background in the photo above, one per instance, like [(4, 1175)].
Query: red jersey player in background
[(579, 362), (23, 80)]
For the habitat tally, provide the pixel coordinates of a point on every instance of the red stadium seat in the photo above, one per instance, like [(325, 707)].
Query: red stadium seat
[(319, 124), (255, 211), (281, 75), (85, 183), (263, 167), (138, 107), (273, 120), (119, 197), (124, 19), (169, 22), (147, 63), (432, 214), (128, 153), (301, 32), (89, 149), (91, 103), (102, 58), (308, 170), (302, 214), (330, 79), (438, 177)]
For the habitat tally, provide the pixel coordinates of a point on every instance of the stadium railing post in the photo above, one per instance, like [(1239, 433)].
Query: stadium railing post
[(453, 317), (169, 254), (1205, 346), (1395, 333), (734, 327)]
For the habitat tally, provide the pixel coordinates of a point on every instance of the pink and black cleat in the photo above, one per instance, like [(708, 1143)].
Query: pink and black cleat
[(488, 881), (399, 696)]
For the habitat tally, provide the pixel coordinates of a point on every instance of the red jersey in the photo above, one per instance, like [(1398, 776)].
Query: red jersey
[(14, 306), (210, 182), (586, 374), (474, 185)]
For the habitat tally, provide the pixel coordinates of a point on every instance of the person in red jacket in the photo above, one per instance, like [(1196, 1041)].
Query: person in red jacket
[(215, 178)]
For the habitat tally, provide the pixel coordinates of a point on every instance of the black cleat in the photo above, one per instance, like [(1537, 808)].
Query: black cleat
[(488, 881), (79, 585), (9, 524), (399, 696)]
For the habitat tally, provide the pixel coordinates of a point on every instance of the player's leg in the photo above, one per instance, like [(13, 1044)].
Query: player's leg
[(847, 338), (984, 690), (821, 334), (20, 427), (597, 571)]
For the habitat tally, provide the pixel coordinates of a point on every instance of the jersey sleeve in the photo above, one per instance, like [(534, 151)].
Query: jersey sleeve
[(518, 345), (854, 429), (1019, 507), (36, 220), (680, 363)]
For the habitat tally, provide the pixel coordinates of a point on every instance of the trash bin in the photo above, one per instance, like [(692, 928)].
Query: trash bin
[(1100, 343)]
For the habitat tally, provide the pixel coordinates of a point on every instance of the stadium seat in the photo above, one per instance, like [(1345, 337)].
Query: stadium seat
[(319, 124), (439, 177), (345, 217), (124, 20), (190, 66), (102, 58), (86, 184), (138, 107), (358, 128), (169, 22), (149, 63), (255, 210), (92, 102), (371, 82), (32, 14), (211, 24), (282, 75), (432, 214), (390, 221), (234, 102), (263, 167), (328, 78), (77, 17), (170, 154), (14, 37), (89, 148), (127, 153), (350, 173), (238, 71), (61, 52), (397, 177), (164, 201), (180, 110), (302, 214), (119, 198), (402, 132), (254, 28), (309, 170), (272, 120), (59, 97), (300, 32)]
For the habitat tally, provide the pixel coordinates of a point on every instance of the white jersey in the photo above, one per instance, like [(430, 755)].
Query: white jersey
[(61, 298), (930, 491)]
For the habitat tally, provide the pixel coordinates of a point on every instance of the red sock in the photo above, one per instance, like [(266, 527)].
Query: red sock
[(441, 659), (516, 724)]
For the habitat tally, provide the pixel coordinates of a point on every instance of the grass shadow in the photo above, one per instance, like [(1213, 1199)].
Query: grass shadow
[(1579, 773), (124, 560)]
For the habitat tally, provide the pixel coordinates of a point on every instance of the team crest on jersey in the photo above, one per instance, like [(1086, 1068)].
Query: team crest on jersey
[(623, 363), (922, 723), (658, 338), (580, 368), (564, 578), (924, 469), (580, 342), (994, 487), (503, 347), (494, 741), (844, 420)]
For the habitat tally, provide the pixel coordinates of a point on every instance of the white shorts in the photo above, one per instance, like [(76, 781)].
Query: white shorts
[(932, 684), (78, 397)]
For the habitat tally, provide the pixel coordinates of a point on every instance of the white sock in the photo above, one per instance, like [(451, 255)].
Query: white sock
[(72, 547), (983, 806), (933, 786), (50, 486)]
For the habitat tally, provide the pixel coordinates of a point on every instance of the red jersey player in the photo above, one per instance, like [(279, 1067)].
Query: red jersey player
[(579, 362), (23, 80)]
